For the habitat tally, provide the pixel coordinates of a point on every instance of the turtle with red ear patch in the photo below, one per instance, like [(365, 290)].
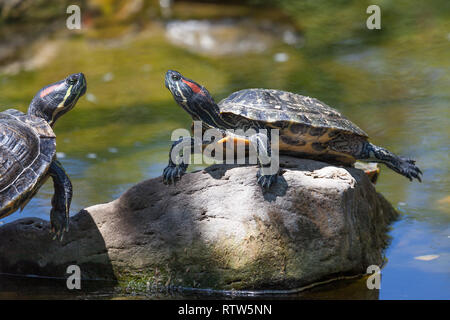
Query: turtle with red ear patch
[(54, 100), (308, 128), (28, 151)]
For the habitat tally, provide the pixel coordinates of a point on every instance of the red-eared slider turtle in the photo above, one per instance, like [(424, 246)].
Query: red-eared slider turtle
[(307, 127), (28, 151)]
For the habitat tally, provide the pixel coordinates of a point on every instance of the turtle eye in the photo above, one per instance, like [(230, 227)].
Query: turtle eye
[(176, 77), (72, 79)]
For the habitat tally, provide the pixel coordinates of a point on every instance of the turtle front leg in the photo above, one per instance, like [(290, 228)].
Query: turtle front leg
[(176, 167), (59, 215), (267, 175), (173, 171)]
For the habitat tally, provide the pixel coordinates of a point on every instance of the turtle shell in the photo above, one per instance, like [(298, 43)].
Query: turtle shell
[(279, 109), (27, 148)]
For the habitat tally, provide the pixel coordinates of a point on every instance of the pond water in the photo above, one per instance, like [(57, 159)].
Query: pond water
[(396, 88)]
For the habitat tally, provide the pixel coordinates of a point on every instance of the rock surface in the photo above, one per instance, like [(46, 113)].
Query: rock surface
[(217, 229)]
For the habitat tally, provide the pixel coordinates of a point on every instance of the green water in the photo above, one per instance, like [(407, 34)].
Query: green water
[(394, 85)]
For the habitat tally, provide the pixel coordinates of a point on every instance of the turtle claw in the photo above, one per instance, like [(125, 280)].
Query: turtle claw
[(409, 169), (173, 173), (266, 181), (59, 224), (58, 235)]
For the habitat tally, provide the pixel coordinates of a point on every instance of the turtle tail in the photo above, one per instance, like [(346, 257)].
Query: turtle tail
[(401, 165)]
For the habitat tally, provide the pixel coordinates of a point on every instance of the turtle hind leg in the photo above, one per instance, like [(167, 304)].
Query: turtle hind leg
[(59, 215), (267, 174), (403, 166)]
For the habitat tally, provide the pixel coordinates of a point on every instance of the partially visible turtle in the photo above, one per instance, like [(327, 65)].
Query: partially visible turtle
[(28, 151), (307, 127)]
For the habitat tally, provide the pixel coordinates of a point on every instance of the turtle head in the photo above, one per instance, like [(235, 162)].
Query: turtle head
[(54, 100), (191, 96)]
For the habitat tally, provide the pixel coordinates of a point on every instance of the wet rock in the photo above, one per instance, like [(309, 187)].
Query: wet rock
[(217, 229)]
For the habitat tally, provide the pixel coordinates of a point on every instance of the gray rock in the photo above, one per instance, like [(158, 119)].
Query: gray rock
[(217, 229)]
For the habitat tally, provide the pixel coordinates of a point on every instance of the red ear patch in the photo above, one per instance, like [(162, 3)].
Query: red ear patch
[(46, 91), (194, 87)]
